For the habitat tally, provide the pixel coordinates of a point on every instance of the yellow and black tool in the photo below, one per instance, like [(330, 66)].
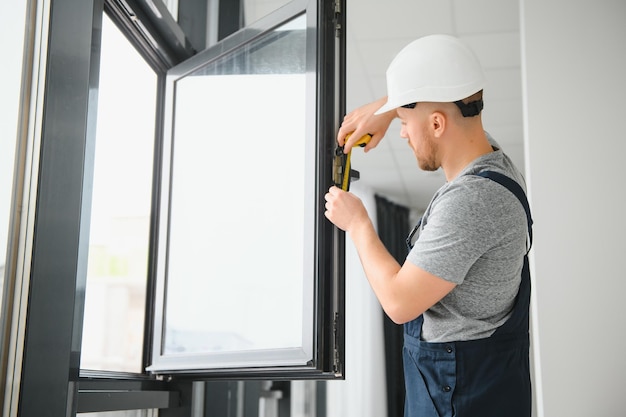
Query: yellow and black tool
[(342, 171)]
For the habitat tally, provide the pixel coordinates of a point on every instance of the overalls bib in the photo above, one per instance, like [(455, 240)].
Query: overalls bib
[(478, 378)]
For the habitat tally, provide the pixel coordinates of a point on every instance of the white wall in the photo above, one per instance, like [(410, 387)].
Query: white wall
[(575, 106)]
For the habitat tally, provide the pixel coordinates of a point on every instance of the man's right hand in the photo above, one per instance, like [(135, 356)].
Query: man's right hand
[(361, 122)]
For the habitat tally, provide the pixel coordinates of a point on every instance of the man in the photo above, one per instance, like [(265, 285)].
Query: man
[(463, 291)]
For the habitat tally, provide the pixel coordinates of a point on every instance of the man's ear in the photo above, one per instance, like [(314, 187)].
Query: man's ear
[(438, 122)]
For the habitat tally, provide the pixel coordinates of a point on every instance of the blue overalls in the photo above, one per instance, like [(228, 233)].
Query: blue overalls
[(478, 378)]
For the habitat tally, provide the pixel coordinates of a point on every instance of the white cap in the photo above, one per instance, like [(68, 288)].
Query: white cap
[(436, 68)]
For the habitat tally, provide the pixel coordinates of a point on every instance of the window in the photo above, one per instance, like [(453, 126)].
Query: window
[(239, 247), (69, 201)]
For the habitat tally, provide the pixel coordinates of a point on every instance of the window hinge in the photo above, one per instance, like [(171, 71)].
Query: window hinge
[(337, 368), (337, 18)]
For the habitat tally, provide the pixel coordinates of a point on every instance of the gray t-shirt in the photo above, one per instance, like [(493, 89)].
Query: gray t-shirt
[(473, 233)]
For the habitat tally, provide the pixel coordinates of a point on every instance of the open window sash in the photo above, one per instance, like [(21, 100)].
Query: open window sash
[(250, 274)]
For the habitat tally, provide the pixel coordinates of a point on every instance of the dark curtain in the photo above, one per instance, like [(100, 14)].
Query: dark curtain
[(393, 227)]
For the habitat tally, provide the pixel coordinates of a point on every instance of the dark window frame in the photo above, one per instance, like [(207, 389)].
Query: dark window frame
[(50, 363)]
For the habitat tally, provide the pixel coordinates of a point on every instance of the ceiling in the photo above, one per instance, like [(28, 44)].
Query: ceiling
[(376, 31)]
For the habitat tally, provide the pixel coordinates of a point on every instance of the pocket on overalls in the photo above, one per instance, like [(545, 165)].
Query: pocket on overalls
[(418, 400)]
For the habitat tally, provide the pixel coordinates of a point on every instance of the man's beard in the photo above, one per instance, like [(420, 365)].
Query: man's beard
[(427, 159)]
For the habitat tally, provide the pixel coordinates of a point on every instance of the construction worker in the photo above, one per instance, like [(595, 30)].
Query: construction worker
[(463, 291)]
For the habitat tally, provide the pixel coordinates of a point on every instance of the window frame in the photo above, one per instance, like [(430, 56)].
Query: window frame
[(327, 301)]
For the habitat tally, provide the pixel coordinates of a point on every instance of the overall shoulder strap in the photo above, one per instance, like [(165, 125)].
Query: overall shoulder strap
[(517, 190)]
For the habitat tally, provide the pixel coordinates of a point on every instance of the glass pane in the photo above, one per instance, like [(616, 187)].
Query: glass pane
[(113, 327), (253, 10), (238, 270)]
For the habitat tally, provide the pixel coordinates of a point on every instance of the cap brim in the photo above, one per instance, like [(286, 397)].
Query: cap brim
[(386, 107), (395, 102)]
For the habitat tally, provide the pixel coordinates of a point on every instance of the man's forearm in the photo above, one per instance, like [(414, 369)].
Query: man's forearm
[(379, 265)]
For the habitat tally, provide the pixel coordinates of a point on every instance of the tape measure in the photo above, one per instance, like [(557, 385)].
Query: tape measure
[(342, 171)]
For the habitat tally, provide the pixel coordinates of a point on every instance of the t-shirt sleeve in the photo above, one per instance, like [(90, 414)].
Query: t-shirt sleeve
[(461, 226)]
